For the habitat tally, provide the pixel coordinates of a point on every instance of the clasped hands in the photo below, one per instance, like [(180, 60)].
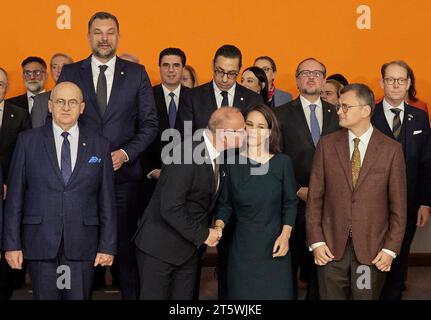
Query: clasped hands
[(214, 236)]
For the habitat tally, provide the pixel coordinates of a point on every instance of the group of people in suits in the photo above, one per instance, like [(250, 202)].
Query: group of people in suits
[(344, 187)]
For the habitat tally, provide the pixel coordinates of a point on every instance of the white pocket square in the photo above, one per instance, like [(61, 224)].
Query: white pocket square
[(417, 132)]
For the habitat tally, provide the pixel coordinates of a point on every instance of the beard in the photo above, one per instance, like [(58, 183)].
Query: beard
[(311, 92), (105, 54), (34, 86)]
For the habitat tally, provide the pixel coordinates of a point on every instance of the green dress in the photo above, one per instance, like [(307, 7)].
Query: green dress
[(261, 205)]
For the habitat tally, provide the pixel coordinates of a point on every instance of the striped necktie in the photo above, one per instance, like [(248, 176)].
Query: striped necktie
[(396, 124)]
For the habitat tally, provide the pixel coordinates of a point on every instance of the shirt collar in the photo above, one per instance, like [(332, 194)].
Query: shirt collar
[(213, 153), (305, 103), (365, 138), (166, 91), (111, 63), (73, 132), (231, 91), (2, 105), (31, 94), (388, 107)]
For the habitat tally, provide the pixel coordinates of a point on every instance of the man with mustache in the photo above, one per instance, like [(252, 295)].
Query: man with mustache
[(119, 105), (34, 76)]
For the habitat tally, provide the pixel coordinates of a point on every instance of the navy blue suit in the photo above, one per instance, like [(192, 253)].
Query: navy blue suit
[(46, 218), (413, 138), (129, 123)]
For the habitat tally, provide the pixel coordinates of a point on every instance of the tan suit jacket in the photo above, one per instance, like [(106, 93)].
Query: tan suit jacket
[(375, 209)]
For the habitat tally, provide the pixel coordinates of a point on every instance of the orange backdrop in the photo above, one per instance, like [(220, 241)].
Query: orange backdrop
[(287, 30)]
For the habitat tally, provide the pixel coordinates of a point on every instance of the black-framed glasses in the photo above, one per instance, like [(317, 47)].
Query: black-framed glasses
[(391, 81), (220, 73), (346, 107), (310, 73), (34, 73), (72, 103)]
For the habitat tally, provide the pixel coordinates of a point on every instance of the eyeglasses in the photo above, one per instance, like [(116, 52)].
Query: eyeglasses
[(346, 107), (34, 73), (220, 73), (266, 69), (400, 81), (72, 103), (310, 73)]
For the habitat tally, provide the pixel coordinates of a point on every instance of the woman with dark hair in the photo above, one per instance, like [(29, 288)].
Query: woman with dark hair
[(411, 98), (259, 195), (189, 78), (254, 78)]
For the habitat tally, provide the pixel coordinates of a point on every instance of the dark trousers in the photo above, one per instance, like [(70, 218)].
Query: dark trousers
[(161, 280), (303, 259), (51, 282), (349, 279), (128, 210), (394, 283), (6, 279)]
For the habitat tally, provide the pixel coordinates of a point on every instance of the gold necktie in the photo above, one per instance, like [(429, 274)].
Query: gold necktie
[(356, 162)]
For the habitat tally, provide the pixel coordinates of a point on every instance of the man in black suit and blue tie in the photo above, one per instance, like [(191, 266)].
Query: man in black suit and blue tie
[(60, 213), (120, 106), (410, 127)]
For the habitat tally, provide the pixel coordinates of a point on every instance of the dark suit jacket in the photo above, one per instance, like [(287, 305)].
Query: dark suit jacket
[(296, 136), (19, 101), (41, 209), (1, 208), (200, 103), (15, 120), (175, 223), (130, 120), (40, 112), (375, 209), (414, 132)]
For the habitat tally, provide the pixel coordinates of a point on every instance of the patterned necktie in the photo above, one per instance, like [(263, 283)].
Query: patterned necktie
[(225, 101), (314, 124), (66, 162), (101, 90), (396, 124), (356, 162), (172, 110)]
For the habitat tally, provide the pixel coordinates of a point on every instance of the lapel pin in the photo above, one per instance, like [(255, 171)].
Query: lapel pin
[(122, 72), (329, 110), (242, 99), (410, 116), (84, 144), (12, 116)]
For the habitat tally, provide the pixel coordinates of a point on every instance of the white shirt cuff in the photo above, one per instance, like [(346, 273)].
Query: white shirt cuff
[(315, 245), (127, 156), (389, 252), (151, 172)]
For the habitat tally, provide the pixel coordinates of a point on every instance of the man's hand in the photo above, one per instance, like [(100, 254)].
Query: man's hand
[(302, 193), (383, 261), (281, 246), (322, 255), (103, 259), (213, 237), (14, 259), (423, 216), (4, 191), (156, 174), (118, 158)]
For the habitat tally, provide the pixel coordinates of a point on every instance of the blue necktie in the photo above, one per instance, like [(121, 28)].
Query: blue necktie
[(66, 162), (172, 110), (314, 124)]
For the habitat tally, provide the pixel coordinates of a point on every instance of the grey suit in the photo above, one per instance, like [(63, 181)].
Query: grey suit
[(280, 97), (40, 109)]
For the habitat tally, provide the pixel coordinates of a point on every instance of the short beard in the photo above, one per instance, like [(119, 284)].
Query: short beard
[(310, 92), (107, 55), (34, 87)]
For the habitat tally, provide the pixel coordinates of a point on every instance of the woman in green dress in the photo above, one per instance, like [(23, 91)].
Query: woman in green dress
[(259, 194)]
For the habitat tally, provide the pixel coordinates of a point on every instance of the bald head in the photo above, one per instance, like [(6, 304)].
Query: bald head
[(226, 118), (70, 87)]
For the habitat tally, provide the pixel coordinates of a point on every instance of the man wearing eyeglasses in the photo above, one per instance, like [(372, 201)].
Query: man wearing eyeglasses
[(356, 206), (410, 127), (61, 207), (34, 76), (223, 90), (302, 122)]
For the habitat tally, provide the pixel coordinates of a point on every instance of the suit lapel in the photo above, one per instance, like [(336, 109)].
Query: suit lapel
[(371, 157), (342, 147), (120, 75), (82, 155), (379, 120), (87, 77), (302, 121), (51, 151), (8, 117), (211, 94), (238, 99), (407, 129), (159, 97), (328, 113)]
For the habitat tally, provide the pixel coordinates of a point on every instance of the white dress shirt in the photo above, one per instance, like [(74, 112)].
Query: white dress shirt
[(212, 152), (109, 73), (362, 146), (319, 111), (390, 115), (166, 93), (219, 97), (73, 138), (1, 112), (30, 98)]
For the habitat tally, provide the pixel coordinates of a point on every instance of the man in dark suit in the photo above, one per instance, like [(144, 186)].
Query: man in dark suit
[(34, 76), (202, 101), (409, 126), (302, 121), (13, 120), (175, 223), (61, 216), (120, 106), (39, 112), (356, 206)]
